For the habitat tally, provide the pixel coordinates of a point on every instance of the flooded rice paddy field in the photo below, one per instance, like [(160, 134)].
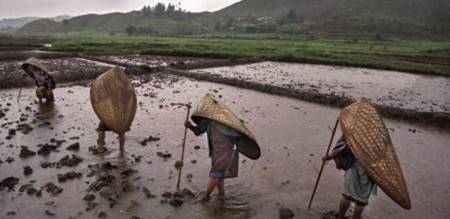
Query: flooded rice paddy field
[(396, 89), (293, 135)]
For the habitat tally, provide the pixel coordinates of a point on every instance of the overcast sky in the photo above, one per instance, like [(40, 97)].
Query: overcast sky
[(49, 8)]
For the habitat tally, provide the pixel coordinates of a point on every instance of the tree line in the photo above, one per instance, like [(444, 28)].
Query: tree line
[(290, 22), (161, 10)]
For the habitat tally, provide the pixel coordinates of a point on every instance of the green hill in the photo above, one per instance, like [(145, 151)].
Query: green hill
[(406, 19), (398, 18), (184, 24)]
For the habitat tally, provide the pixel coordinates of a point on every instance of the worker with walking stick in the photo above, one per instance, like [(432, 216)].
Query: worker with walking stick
[(358, 186), (227, 136), (367, 155)]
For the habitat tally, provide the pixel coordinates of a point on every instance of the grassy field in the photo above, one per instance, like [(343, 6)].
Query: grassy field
[(409, 56)]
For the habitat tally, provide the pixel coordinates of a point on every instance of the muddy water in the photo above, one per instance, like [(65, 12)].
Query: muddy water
[(293, 135), (408, 91)]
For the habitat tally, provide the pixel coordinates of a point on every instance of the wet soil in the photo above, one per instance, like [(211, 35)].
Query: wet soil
[(293, 135)]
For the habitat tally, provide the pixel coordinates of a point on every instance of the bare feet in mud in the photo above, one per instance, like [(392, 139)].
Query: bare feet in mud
[(333, 215), (330, 215), (286, 213), (221, 198), (201, 198), (98, 150)]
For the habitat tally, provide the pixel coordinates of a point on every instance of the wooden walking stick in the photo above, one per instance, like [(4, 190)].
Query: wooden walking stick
[(18, 95), (182, 150), (323, 165)]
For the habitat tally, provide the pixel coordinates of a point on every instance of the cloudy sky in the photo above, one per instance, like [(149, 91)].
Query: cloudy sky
[(47, 8)]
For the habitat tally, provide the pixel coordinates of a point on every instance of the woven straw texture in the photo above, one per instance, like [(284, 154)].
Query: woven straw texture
[(212, 108), (114, 100), (371, 144), (36, 63)]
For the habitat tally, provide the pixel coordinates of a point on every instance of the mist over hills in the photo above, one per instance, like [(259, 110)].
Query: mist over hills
[(11, 24)]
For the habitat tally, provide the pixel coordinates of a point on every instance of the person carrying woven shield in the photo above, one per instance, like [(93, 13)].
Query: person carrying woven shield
[(226, 137), (44, 82), (368, 156), (113, 99), (358, 186)]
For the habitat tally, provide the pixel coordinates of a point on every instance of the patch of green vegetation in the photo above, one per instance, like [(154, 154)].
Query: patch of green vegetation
[(410, 56)]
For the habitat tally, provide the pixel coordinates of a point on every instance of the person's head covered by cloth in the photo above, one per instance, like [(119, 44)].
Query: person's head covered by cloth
[(113, 99), (43, 80), (227, 135)]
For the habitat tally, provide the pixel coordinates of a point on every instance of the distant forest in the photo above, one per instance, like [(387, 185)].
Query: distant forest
[(249, 24)]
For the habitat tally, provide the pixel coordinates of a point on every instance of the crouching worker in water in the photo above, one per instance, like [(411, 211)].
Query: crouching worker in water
[(44, 81), (227, 136), (113, 99), (367, 154), (358, 186)]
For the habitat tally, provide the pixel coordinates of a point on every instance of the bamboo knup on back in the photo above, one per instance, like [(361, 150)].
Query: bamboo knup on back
[(212, 108), (114, 100), (371, 144)]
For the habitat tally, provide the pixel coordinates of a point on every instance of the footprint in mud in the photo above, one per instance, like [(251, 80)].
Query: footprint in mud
[(220, 209), (47, 111), (232, 206), (235, 201), (109, 153), (111, 180), (332, 215)]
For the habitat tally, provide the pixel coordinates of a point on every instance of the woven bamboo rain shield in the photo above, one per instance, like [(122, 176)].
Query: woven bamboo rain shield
[(114, 100), (212, 108), (371, 144), (36, 63)]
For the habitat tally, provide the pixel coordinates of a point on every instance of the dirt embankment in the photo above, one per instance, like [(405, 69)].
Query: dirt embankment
[(8, 55)]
